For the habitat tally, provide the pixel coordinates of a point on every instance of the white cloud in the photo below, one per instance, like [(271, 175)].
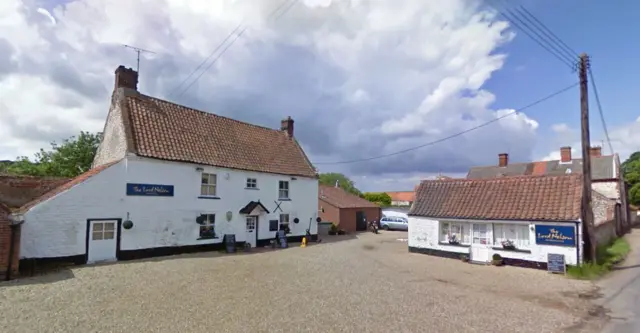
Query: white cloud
[(360, 78), (560, 128)]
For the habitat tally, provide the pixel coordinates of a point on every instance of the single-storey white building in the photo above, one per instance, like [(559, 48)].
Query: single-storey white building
[(522, 218), (168, 179)]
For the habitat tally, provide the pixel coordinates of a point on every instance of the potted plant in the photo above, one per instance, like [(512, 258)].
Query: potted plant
[(508, 245), (497, 260), (341, 232), (453, 240), (333, 230), (464, 258)]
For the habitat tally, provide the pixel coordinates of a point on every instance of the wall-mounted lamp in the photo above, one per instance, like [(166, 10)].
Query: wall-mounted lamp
[(127, 224), (294, 178), (226, 176), (532, 228), (199, 169)]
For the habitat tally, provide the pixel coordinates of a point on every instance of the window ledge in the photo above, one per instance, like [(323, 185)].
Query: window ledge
[(284, 199), (457, 245), (515, 250), (203, 238), (208, 197), (252, 188)]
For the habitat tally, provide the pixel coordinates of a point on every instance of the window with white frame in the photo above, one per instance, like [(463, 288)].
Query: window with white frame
[(283, 190), (208, 185), (207, 226), (252, 183), (284, 221), (481, 233), (455, 233), (516, 234)]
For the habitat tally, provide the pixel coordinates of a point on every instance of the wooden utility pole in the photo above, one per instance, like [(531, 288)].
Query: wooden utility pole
[(587, 209)]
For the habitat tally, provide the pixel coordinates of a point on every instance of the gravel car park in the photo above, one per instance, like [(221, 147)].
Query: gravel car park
[(368, 283)]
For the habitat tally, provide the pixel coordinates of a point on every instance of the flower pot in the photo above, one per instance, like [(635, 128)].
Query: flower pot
[(497, 262)]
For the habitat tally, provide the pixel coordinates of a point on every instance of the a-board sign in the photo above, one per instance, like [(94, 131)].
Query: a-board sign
[(282, 239), (556, 263), (230, 243)]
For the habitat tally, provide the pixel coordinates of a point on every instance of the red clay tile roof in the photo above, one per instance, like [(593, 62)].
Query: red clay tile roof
[(169, 131), (71, 183), (15, 191), (339, 198), (402, 196), (543, 198)]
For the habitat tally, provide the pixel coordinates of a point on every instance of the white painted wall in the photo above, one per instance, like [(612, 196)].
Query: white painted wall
[(170, 221), (57, 227), (113, 145), (425, 233)]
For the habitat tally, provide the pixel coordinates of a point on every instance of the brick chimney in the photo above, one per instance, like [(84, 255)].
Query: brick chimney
[(503, 159), (595, 151), (287, 126), (565, 154), (126, 78)]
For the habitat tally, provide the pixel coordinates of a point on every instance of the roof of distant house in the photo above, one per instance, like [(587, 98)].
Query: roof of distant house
[(542, 198), (340, 198), (402, 195), (164, 130), (65, 186), (15, 191), (602, 167)]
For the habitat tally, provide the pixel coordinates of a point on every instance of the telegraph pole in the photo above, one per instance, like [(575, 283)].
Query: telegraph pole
[(587, 209), (138, 51)]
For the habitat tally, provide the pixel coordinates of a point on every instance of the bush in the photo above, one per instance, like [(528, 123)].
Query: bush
[(607, 257), (333, 228), (497, 256)]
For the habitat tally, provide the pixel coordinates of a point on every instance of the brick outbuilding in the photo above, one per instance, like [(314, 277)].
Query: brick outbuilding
[(350, 212)]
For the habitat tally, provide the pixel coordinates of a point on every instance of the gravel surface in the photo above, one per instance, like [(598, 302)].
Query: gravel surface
[(369, 284)]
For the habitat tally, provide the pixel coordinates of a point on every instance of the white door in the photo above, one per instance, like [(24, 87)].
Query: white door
[(480, 251), (103, 238), (252, 222)]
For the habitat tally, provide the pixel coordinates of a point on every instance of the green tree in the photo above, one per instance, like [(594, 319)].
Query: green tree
[(379, 198), (631, 172), (344, 182), (68, 159)]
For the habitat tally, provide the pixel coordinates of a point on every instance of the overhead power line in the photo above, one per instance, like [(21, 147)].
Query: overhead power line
[(604, 124), (453, 135), (285, 6)]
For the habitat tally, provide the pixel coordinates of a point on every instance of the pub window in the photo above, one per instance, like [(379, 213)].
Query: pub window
[(207, 227), (284, 222), (208, 185), (252, 183), (283, 189)]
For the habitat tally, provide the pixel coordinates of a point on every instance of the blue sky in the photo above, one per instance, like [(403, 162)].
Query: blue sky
[(360, 78), (604, 30)]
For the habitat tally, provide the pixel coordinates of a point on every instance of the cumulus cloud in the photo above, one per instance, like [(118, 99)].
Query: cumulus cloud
[(360, 78)]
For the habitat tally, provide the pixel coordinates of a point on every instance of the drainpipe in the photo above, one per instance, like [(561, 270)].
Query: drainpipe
[(16, 221)]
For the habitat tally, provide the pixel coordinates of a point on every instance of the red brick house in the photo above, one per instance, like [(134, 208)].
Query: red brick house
[(15, 191), (348, 211)]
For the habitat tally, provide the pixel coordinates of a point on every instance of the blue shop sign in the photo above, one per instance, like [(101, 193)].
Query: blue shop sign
[(555, 235), (150, 190)]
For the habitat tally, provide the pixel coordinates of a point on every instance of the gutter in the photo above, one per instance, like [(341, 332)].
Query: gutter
[(15, 221)]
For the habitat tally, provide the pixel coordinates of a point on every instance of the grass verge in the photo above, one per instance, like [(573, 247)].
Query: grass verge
[(608, 256)]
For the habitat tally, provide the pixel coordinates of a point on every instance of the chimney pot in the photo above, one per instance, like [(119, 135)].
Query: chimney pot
[(126, 78), (287, 126), (565, 154), (595, 151), (503, 159)]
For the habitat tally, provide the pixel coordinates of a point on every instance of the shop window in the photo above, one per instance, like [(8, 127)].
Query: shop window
[(518, 234), (455, 232)]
